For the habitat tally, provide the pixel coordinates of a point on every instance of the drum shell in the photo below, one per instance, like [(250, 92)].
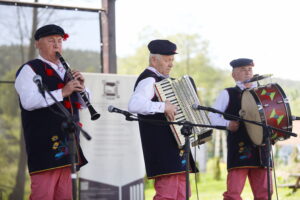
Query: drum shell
[(269, 106)]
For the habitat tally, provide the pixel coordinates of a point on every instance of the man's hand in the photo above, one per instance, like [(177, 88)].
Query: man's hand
[(233, 126), (78, 76), (72, 86), (170, 110)]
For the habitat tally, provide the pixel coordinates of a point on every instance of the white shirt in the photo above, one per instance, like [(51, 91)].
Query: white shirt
[(30, 97), (221, 104), (140, 101)]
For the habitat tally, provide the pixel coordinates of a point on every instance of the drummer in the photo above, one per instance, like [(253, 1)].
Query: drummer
[(244, 159)]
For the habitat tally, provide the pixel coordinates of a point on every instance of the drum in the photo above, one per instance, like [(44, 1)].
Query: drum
[(267, 104)]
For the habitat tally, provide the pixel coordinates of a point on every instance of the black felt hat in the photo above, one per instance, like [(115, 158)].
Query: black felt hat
[(240, 62), (163, 47), (48, 30)]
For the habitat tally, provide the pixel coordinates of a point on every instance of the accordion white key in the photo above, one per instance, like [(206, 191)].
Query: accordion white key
[(181, 92)]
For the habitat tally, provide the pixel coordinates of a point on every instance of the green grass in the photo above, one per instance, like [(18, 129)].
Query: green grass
[(210, 189)]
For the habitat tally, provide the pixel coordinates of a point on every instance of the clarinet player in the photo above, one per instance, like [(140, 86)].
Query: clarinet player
[(46, 144)]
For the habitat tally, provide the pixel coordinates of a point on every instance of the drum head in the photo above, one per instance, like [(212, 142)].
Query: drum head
[(249, 111)]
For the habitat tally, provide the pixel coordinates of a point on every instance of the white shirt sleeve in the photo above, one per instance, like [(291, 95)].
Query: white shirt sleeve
[(140, 101), (29, 94), (220, 104)]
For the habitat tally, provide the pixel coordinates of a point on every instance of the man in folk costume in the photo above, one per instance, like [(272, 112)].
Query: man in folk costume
[(244, 159), (46, 144), (164, 161)]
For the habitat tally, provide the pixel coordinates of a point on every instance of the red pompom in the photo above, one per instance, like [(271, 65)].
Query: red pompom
[(65, 36)]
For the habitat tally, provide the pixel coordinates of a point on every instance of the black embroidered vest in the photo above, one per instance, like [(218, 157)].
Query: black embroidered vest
[(241, 150), (46, 143), (161, 153)]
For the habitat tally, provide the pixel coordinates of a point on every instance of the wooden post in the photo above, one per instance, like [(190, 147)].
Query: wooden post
[(108, 37)]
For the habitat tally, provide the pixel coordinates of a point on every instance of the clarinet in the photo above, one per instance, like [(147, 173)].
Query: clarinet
[(93, 112)]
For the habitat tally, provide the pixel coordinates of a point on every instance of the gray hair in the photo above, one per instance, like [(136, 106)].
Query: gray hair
[(157, 56)]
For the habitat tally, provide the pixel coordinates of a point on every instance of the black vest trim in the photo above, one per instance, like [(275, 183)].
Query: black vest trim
[(182, 172)]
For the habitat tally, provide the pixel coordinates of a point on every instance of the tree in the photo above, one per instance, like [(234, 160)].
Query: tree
[(18, 190), (10, 134)]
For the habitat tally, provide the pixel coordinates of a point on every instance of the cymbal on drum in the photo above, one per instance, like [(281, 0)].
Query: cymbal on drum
[(258, 77)]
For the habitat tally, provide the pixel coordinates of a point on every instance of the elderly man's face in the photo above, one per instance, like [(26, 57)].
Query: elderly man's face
[(242, 73), (49, 45), (163, 63)]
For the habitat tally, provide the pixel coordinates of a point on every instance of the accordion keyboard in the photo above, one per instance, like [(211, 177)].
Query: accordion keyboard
[(181, 92)]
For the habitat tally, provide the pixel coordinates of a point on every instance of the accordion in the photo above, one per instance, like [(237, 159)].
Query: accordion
[(181, 92)]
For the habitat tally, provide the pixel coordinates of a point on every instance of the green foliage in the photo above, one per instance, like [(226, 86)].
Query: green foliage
[(134, 64), (291, 90), (84, 61), (9, 117), (216, 168), (9, 101), (9, 148), (11, 58)]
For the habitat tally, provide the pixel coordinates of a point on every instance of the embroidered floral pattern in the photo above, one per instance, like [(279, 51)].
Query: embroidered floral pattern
[(49, 72), (55, 145), (77, 105), (244, 151), (67, 104), (60, 85), (60, 147), (54, 138)]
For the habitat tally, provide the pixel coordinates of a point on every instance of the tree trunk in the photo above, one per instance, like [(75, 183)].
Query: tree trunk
[(217, 143), (224, 145), (18, 190), (31, 53), (217, 168)]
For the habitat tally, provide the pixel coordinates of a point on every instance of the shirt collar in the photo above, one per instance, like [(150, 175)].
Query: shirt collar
[(156, 72), (242, 86)]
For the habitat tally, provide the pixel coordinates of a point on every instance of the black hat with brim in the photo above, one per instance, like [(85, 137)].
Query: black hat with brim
[(162, 47), (48, 30), (241, 62)]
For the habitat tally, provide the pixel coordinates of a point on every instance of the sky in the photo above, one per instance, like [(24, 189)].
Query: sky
[(268, 31)]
